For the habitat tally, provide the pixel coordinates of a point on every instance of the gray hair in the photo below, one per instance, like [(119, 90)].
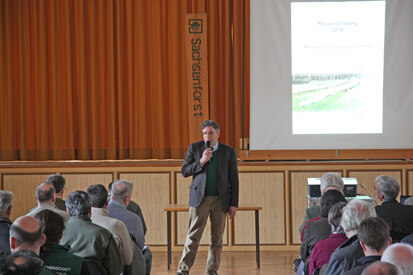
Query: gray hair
[(45, 194), (78, 204), (334, 217), (210, 123), (331, 179), (6, 200), (401, 255), (355, 212), (121, 189), (388, 186)]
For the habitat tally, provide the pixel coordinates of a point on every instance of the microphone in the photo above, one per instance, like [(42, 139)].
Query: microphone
[(362, 186), (208, 145)]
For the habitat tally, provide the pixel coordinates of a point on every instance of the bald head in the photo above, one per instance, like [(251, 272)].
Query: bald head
[(45, 192), (401, 255), (26, 233), (381, 268)]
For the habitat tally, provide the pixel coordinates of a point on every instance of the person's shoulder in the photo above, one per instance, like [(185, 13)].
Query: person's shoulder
[(225, 147)]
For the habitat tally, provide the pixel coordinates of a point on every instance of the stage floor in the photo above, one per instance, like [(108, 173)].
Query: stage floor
[(232, 263)]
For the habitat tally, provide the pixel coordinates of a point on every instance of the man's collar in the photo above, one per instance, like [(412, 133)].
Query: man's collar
[(99, 211), (115, 202), (46, 204), (215, 147)]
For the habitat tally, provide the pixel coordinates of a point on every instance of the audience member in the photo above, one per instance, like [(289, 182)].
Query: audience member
[(401, 255), (345, 257), (134, 207), (323, 249), (88, 240), (120, 198), (409, 201), (27, 234), (382, 268), (21, 262), (408, 240), (374, 238), (319, 230), (6, 200), (45, 196), (99, 199), (56, 257), (59, 183), (327, 182), (398, 216)]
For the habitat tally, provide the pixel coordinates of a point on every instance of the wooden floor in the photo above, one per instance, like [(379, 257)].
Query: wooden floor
[(232, 263)]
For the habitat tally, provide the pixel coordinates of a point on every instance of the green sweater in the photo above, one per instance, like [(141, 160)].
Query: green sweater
[(211, 188)]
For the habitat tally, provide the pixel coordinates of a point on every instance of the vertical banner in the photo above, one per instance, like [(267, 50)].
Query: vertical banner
[(196, 51)]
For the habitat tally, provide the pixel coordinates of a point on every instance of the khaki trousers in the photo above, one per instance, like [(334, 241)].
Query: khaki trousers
[(210, 206)]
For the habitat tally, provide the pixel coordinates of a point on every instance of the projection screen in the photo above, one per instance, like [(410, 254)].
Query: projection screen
[(331, 74)]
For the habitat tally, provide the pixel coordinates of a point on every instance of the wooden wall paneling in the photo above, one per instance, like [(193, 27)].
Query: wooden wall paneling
[(366, 178), (299, 202), (182, 197), (23, 187), (265, 189), (409, 180), (152, 192), (81, 181)]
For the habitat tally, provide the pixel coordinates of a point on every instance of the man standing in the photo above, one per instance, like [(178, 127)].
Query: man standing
[(213, 193)]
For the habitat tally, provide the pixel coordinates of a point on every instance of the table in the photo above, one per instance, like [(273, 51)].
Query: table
[(185, 208)]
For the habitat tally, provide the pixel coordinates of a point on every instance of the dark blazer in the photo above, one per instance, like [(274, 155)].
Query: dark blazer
[(5, 224), (345, 257), (227, 178), (314, 232), (399, 217)]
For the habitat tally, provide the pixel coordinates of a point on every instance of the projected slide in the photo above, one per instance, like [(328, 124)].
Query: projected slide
[(337, 67)]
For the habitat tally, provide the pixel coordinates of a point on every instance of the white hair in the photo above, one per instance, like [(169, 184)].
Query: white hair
[(331, 179), (355, 212), (401, 255)]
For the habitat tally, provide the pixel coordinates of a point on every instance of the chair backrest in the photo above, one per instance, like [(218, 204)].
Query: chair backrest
[(95, 268)]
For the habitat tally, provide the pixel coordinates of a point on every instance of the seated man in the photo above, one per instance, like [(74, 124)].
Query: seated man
[(401, 255), (26, 236), (382, 268), (6, 199), (323, 249), (59, 183), (346, 256), (408, 240), (21, 262), (327, 182), (374, 238), (56, 257), (120, 198), (398, 216), (99, 198), (134, 207), (45, 196), (88, 240), (320, 229)]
